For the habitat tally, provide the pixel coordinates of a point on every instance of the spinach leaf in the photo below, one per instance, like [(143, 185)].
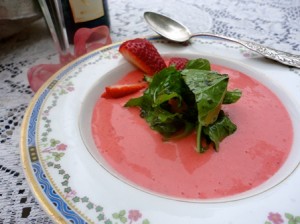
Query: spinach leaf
[(220, 129), (148, 78), (232, 96), (209, 88), (200, 64), (156, 109), (176, 102)]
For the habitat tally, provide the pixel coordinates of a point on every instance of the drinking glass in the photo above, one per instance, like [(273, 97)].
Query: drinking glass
[(52, 10)]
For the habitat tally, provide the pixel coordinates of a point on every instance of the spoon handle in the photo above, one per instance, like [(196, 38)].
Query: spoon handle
[(280, 56)]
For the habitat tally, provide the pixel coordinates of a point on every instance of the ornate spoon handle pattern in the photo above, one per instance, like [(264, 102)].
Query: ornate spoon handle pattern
[(280, 56)]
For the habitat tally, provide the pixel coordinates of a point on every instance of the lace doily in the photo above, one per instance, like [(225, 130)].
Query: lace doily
[(274, 23)]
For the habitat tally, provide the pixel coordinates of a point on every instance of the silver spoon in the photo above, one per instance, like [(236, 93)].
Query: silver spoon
[(177, 32)]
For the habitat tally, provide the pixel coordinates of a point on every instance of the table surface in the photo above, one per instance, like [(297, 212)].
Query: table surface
[(274, 23)]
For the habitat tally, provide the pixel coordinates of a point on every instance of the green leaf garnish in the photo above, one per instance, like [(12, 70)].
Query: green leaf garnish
[(220, 129), (178, 102), (232, 96), (199, 64)]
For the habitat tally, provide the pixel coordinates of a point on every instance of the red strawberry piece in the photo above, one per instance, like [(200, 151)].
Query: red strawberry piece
[(143, 54), (117, 91), (176, 107), (178, 62)]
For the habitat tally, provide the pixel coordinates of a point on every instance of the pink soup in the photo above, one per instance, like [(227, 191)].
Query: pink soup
[(246, 159)]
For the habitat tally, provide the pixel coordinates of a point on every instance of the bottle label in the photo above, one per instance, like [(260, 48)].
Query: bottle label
[(86, 10)]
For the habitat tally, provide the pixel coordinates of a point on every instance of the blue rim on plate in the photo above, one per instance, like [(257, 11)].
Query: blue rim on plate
[(56, 162)]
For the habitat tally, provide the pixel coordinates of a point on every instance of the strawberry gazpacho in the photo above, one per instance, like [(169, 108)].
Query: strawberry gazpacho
[(238, 147)]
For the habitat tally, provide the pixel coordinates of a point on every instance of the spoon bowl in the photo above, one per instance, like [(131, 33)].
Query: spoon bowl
[(167, 27), (177, 32)]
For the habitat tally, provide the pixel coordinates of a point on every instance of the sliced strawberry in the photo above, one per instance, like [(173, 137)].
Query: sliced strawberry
[(178, 62), (143, 54), (117, 91)]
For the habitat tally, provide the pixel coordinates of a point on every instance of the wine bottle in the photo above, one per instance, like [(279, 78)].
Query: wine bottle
[(84, 13)]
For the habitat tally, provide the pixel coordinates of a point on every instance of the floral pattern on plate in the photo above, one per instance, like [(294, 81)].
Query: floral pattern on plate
[(50, 153)]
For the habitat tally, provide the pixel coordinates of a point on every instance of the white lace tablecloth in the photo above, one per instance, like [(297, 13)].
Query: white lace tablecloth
[(275, 23)]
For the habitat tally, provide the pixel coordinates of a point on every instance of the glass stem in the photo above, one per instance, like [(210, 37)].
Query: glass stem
[(52, 10)]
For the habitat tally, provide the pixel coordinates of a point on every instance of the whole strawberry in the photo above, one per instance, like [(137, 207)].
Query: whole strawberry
[(178, 62), (143, 54)]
